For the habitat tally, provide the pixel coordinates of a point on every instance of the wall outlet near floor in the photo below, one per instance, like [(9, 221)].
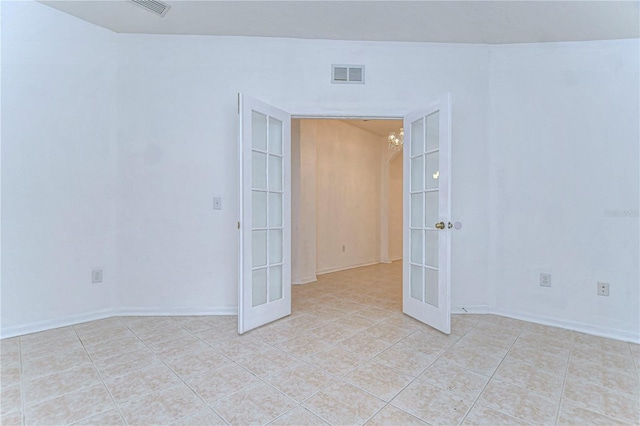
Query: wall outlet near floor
[(96, 276), (603, 289), (545, 279)]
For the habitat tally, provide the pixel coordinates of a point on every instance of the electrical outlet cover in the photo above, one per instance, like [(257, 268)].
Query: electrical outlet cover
[(603, 289)]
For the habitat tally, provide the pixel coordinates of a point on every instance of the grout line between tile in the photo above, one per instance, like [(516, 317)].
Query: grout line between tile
[(376, 413), (177, 375), (23, 410), (564, 379), (101, 379), (282, 415), (633, 358), (489, 381)]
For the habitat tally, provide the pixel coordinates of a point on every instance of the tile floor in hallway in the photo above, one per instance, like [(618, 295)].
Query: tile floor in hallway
[(346, 356)]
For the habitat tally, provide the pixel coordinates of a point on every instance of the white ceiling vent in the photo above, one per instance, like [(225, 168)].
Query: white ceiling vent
[(154, 6), (347, 74)]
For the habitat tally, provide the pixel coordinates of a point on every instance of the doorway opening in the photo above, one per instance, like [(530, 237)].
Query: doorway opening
[(346, 204)]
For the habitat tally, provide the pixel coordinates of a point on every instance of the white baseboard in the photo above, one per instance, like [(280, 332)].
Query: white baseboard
[(344, 268), (472, 309), (68, 320), (177, 312), (305, 280), (610, 333), (6, 332), (64, 321)]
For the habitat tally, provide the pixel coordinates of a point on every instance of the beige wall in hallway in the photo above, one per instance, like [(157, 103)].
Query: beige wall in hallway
[(303, 201), (339, 190), (395, 208)]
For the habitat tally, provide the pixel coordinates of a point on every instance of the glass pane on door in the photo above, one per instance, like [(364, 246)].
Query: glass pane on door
[(259, 169), (275, 283), (275, 136), (259, 250), (417, 137), (416, 210), (417, 173), (259, 135), (275, 173), (259, 209), (275, 209), (431, 248), (432, 215), (275, 246), (431, 278), (432, 175), (416, 246), (416, 282), (433, 131), (259, 287)]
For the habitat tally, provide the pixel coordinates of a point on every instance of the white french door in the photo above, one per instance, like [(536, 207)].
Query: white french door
[(264, 287), (426, 285)]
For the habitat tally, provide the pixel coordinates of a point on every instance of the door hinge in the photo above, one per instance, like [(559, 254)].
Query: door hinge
[(238, 225), (238, 103)]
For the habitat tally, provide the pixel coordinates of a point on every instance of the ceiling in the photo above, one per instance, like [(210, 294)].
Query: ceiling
[(488, 22), (378, 127)]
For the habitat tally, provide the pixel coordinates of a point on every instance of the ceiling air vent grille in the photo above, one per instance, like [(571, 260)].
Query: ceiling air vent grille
[(347, 74), (157, 7)]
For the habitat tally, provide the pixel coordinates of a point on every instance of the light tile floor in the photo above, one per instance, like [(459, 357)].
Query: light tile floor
[(347, 355)]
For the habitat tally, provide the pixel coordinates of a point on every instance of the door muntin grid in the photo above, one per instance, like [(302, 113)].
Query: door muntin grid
[(424, 160), (267, 197)]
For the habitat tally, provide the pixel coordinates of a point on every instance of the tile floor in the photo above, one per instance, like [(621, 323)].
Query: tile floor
[(346, 356)]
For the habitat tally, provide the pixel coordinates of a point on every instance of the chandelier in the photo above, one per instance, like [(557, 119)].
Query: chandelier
[(396, 140)]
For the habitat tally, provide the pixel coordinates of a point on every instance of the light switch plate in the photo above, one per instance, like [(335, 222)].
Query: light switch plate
[(217, 203), (545, 279)]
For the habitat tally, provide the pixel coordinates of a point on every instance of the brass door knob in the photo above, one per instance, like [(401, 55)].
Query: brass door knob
[(440, 225)]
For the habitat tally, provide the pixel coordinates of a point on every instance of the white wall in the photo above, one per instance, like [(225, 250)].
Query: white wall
[(545, 140), (177, 146), (395, 208), (58, 165), (174, 112), (564, 138), (347, 196)]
